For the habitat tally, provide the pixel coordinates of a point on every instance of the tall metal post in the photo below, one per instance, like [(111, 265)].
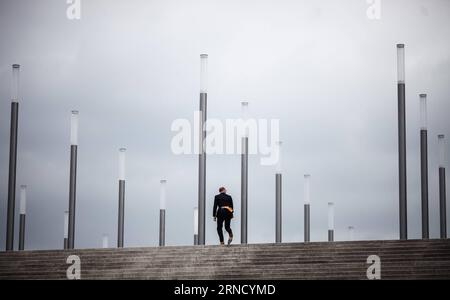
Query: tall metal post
[(73, 177), (307, 200), (202, 153), (195, 226), (330, 221), (442, 187), (12, 158), (244, 176), (402, 142), (23, 204), (278, 211), (278, 197), (121, 215), (162, 214), (424, 165), (66, 230)]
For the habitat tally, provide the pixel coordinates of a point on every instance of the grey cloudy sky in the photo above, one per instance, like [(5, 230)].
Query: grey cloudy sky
[(325, 69)]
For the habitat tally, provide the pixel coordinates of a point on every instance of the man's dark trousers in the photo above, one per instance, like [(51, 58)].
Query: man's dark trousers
[(223, 215)]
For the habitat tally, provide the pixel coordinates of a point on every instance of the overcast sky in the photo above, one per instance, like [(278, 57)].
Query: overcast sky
[(323, 68)]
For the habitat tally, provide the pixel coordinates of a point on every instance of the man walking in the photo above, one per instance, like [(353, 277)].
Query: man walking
[(223, 212)]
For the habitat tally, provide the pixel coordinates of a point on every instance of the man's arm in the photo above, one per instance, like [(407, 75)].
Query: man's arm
[(231, 201), (215, 207)]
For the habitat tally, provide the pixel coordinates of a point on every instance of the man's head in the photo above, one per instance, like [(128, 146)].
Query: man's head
[(222, 190)]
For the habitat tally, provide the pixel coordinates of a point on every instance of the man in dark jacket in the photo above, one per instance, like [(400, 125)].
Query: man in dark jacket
[(223, 212)]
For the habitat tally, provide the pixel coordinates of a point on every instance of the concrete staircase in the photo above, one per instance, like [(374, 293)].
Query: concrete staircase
[(413, 259)]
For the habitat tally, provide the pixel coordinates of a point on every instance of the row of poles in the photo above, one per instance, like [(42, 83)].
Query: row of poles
[(105, 238), (199, 213), (278, 176), (401, 92), (69, 215)]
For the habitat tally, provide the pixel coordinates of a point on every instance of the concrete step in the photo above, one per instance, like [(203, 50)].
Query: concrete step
[(272, 275), (415, 259), (228, 251), (287, 246), (207, 261), (254, 270), (225, 259)]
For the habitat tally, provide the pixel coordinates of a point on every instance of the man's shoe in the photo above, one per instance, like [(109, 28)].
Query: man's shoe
[(222, 243), (230, 239)]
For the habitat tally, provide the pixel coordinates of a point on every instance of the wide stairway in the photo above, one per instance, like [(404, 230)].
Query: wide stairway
[(412, 259)]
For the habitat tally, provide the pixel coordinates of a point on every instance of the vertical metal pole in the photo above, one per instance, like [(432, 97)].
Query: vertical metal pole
[(72, 195), (330, 235), (307, 199), (402, 144), (73, 178), (22, 232), (195, 226), (402, 162), (442, 203), (307, 223), (12, 158), (23, 205), (162, 227), (330, 221), (121, 224), (424, 182), (121, 211), (424, 165), (66, 230), (202, 154), (202, 171), (278, 215), (442, 186), (162, 213), (12, 176), (244, 190)]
